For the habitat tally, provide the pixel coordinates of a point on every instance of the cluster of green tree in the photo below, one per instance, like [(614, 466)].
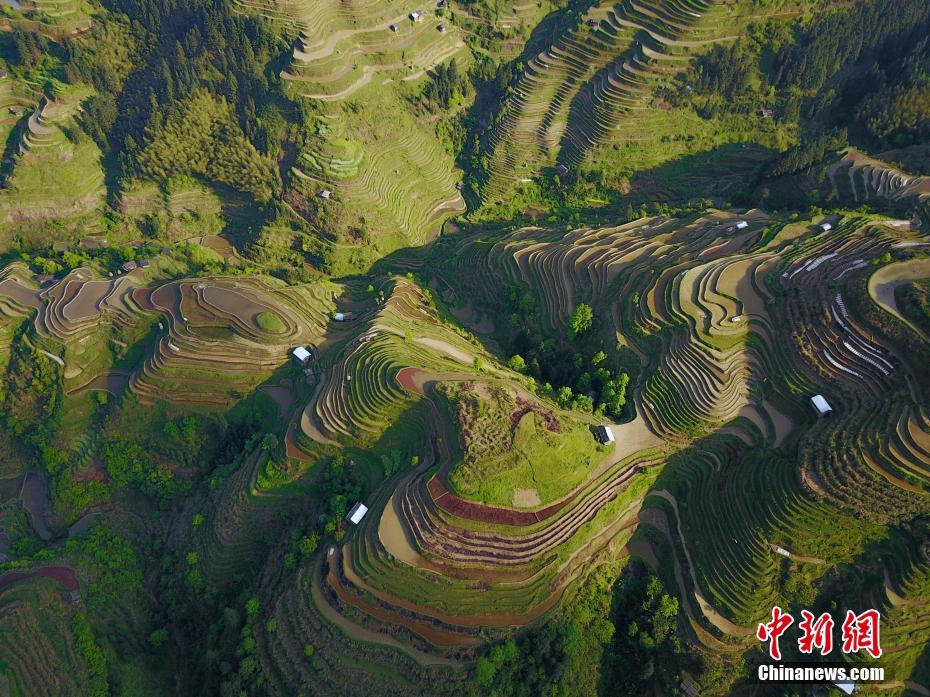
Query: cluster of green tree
[(201, 136), (647, 653), (85, 645), (51, 261), (725, 70), (31, 397), (574, 370), (809, 152), (616, 636), (899, 114), (248, 678), (445, 87), (113, 566), (104, 57), (340, 484), (141, 459), (24, 49), (879, 32), (862, 67), (913, 299), (151, 62)]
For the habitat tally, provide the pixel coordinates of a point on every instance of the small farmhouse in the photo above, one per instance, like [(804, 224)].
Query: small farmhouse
[(603, 434), (357, 513), (820, 404), (742, 225), (301, 355), (825, 227)]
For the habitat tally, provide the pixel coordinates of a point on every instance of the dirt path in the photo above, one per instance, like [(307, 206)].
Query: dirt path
[(55, 358), (631, 438), (446, 348), (882, 285)]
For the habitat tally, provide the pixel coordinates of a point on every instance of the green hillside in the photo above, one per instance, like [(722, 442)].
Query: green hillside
[(481, 348)]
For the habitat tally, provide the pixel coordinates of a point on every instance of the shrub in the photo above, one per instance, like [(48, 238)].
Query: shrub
[(581, 319), (269, 322)]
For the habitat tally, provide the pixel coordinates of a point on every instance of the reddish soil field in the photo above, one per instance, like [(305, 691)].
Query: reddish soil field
[(62, 574), (524, 408), (471, 510), (406, 378)]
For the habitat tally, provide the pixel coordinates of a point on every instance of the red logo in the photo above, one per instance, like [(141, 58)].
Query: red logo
[(860, 632), (818, 634), (773, 630)]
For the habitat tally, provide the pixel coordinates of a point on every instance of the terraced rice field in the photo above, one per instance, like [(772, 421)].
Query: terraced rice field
[(709, 304), (735, 328), (386, 171), (50, 176), (209, 347), (582, 90)]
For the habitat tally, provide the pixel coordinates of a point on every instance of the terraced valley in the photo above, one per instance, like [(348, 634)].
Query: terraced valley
[(472, 349)]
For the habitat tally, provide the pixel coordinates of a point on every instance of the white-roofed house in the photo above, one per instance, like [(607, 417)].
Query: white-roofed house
[(821, 405), (741, 225), (357, 513), (301, 355), (604, 434), (826, 227)]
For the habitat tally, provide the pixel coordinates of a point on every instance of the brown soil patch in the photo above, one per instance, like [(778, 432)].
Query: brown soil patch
[(20, 294), (471, 510), (526, 498), (524, 408), (62, 574)]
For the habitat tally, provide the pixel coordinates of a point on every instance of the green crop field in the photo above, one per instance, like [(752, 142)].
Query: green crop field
[(469, 349)]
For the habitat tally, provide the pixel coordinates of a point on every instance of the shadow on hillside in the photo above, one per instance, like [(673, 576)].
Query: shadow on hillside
[(722, 176)]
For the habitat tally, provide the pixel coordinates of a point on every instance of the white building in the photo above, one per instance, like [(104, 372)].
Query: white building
[(416, 16), (357, 513), (820, 404), (741, 225), (326, 193), (604, 435), (301, 355), (826, 227)]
